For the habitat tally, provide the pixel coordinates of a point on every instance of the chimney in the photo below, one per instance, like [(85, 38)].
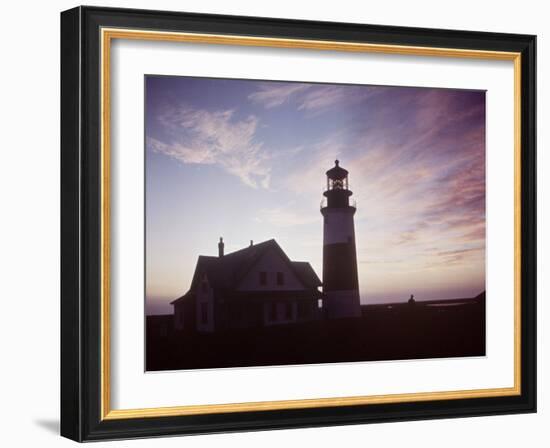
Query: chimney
[(251, 243), (220, 247)]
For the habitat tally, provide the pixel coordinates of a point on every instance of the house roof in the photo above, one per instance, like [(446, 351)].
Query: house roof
[(306, 273), (225, 273)]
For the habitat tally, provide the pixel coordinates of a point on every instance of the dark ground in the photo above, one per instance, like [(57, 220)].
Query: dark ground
[(385, 332)]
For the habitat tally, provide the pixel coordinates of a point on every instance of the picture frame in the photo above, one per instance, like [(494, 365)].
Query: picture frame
[(86, 238)]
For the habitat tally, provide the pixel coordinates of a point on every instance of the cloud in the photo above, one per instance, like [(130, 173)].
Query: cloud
[(451, 258), (215, 138), (417, 171), (308, 178), (272, 95), (322, 98), (311, 98)]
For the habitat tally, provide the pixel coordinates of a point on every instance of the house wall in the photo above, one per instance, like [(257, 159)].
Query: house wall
[(204, 311), (278, 314), (275, 311), (271, 263), (179, 316), (242, 314), (184, 315)]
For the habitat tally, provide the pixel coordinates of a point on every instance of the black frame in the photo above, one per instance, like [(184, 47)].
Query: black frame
[(80, 223)]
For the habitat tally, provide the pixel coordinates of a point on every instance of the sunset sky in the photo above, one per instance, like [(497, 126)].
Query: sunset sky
[(246, 160)]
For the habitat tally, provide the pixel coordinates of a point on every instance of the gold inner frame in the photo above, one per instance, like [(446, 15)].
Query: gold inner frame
[(107, 35)]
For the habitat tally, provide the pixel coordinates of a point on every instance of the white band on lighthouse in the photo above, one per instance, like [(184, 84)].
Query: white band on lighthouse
[(338, 225)]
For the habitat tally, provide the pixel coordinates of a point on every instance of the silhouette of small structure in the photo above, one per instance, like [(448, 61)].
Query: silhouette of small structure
[(411, 300), (255, 286)]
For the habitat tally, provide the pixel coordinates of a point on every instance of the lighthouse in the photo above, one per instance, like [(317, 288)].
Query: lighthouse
[(340, 279)]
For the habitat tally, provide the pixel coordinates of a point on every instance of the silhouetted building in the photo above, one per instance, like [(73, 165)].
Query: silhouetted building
[(340, 279), (255, 286)]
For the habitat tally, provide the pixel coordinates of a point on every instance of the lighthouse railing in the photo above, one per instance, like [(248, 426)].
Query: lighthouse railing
[(323, 204)]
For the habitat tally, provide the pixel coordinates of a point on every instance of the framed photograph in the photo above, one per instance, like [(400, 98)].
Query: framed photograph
[(272, 223)]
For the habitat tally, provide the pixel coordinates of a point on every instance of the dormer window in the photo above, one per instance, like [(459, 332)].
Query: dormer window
[(263, 278), (280, 278)]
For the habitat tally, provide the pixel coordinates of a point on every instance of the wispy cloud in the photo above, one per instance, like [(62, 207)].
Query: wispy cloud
[(215, 138), (272, 94), (311, 98), (419, 185), (322, 98), (308, 179)]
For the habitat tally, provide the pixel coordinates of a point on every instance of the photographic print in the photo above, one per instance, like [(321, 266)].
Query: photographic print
[(300, 223), (252, 202)]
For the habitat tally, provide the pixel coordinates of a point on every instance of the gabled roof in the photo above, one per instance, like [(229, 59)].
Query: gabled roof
[(225, 273), (307, 274)]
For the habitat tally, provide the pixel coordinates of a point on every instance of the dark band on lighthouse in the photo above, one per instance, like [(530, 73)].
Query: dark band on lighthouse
[(340, 278)]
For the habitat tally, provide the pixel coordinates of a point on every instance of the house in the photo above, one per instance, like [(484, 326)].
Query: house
[(255, 286)]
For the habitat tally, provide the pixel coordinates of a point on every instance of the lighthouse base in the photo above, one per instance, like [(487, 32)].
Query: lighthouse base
[(339, 304)]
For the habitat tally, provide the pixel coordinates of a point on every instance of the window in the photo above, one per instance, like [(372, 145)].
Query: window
[(320, 303), (273, 311), (288, 311), (280, 278), (302, 310), (204, 287), (263, 278), (204, 313)]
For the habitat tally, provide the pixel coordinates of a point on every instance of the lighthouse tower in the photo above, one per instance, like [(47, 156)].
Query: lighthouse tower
[(340, 280)]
